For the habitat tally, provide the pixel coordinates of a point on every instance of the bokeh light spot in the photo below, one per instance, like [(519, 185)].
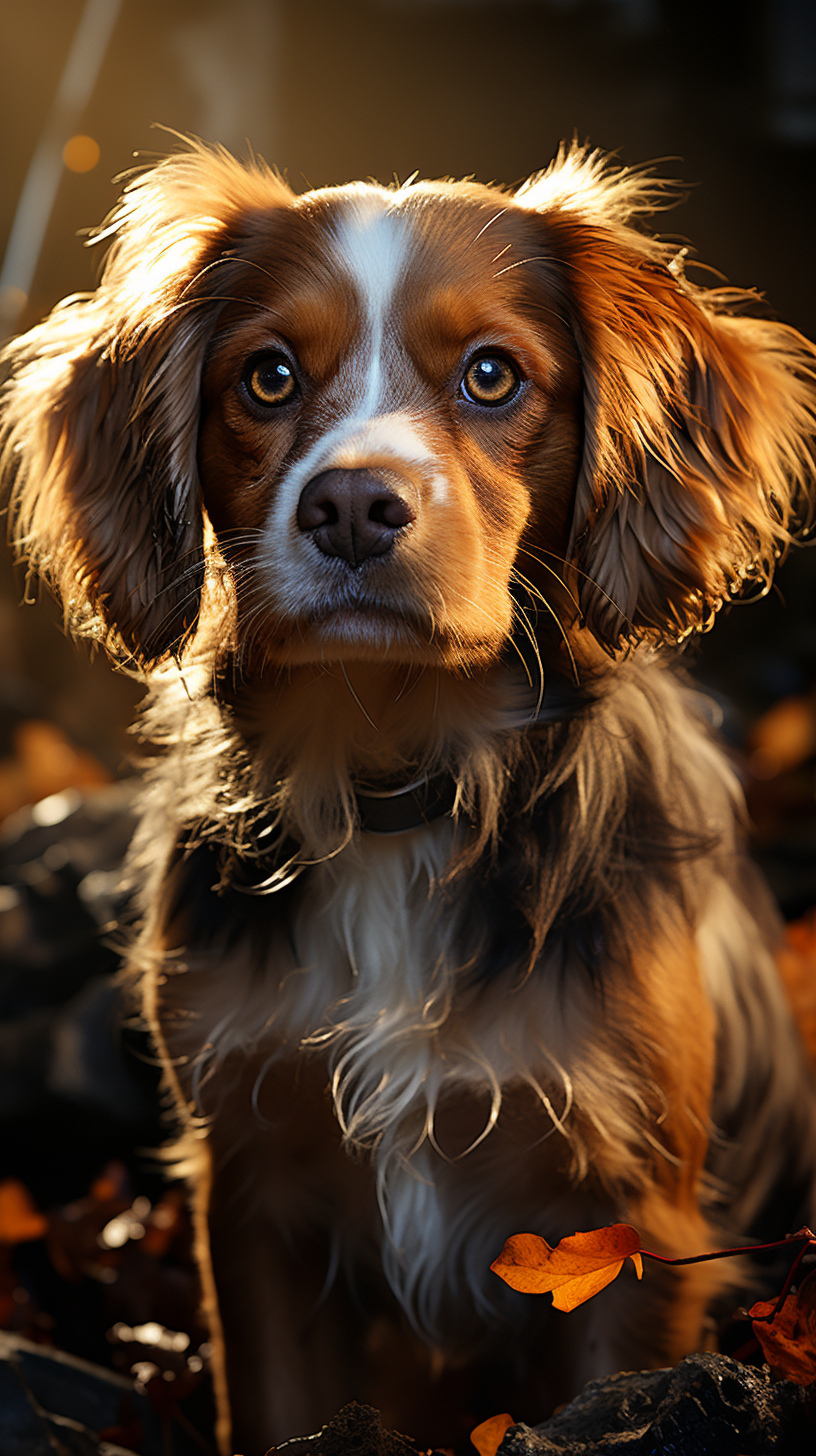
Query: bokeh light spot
[(80, 154)]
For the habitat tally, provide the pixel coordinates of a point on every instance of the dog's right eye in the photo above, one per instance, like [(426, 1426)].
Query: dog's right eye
[(490, 380), (269, 379)]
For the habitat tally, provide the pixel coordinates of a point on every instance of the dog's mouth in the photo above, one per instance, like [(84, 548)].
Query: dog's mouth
[(366, 616), (385, 609), (380, 629), (382, 633), (370, 602)]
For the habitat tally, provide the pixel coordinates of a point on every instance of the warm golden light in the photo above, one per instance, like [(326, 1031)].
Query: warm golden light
[(80, 154)]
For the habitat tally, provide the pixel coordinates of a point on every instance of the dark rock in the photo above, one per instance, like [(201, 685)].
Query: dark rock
[(709, 1405), (356, 1429), (50, 1402), (23, 1431), (77, 1087)]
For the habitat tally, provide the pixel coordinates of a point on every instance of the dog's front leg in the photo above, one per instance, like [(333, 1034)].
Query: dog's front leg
[(278, 1209), (281, 1363), (635, 1326), (650, 1324)]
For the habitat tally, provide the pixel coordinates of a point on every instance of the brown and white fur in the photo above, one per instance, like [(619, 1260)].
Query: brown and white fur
[(259, 463)]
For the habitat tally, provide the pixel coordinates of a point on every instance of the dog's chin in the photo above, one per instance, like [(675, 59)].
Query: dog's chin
[(354, 634)]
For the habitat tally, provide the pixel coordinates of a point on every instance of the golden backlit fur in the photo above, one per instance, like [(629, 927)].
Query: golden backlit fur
[(555, 1005)]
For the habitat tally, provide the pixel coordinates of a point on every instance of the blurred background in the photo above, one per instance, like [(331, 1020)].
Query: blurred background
[(721, 95)]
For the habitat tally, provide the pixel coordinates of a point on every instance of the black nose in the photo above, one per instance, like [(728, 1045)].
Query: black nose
[(351, 513)]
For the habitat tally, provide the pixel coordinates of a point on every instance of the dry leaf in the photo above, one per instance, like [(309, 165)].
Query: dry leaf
[(789, 1340), (577, 1268), (112, 1183), (784, 737), (20, 1218), (488, 1437)]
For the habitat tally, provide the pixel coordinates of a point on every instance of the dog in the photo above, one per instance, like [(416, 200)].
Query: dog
[(404, 499)]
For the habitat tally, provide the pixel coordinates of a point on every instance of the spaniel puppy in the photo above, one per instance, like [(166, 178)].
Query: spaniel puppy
[(400, 497)]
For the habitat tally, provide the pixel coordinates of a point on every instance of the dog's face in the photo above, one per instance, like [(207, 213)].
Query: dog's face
[(390, 406), (400, 411)]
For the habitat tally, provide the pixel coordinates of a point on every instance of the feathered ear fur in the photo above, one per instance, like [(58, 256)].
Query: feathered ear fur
[(699, 420), (100, 421)]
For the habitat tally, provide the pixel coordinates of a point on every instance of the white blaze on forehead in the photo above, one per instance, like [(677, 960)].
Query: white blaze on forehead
[(395, 435), (388, 441), (371, 245)]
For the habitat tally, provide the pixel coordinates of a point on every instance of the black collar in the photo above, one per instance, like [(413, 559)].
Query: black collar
[(393, 811)]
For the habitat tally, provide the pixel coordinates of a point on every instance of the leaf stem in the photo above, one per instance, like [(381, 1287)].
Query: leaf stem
[(805, 1236), (786, 1287)]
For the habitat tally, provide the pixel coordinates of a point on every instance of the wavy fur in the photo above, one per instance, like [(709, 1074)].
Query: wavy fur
[(556, 1006)]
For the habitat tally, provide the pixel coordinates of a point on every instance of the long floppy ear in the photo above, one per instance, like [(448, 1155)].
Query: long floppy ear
[(100, 419), (699, 420)]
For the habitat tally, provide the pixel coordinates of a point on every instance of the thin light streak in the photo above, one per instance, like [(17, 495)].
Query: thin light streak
[(46, 167)]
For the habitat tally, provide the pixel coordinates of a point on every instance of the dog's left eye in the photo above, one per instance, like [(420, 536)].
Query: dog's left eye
[(270, 379), (490, 379)]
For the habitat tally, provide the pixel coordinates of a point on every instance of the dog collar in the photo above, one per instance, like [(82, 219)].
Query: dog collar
[(394, 811)]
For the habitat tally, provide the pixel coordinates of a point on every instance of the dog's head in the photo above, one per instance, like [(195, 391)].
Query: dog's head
[(389, 417)]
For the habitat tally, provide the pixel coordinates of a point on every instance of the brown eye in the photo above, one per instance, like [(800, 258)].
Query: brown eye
[(490, 379), (269, 379)]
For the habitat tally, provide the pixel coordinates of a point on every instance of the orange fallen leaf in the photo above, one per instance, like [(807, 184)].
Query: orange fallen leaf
[(488, 1437), (577, 1268), (164, 1223), (20, 1218), (789, 1340), (111, 1183)]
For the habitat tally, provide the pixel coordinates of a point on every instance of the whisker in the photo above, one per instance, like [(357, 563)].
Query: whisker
[(173, 578), (357, 699), (219, 262), (253, 303), (490, 223), (520, 263), (523, 661), (530, 634), (187, 599), (554, 574), (570, 565), (405, 682), (562, 629)]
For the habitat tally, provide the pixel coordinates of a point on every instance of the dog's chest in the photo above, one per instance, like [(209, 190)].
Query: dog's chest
[(367, 934), (349, 971), (363, 974)]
